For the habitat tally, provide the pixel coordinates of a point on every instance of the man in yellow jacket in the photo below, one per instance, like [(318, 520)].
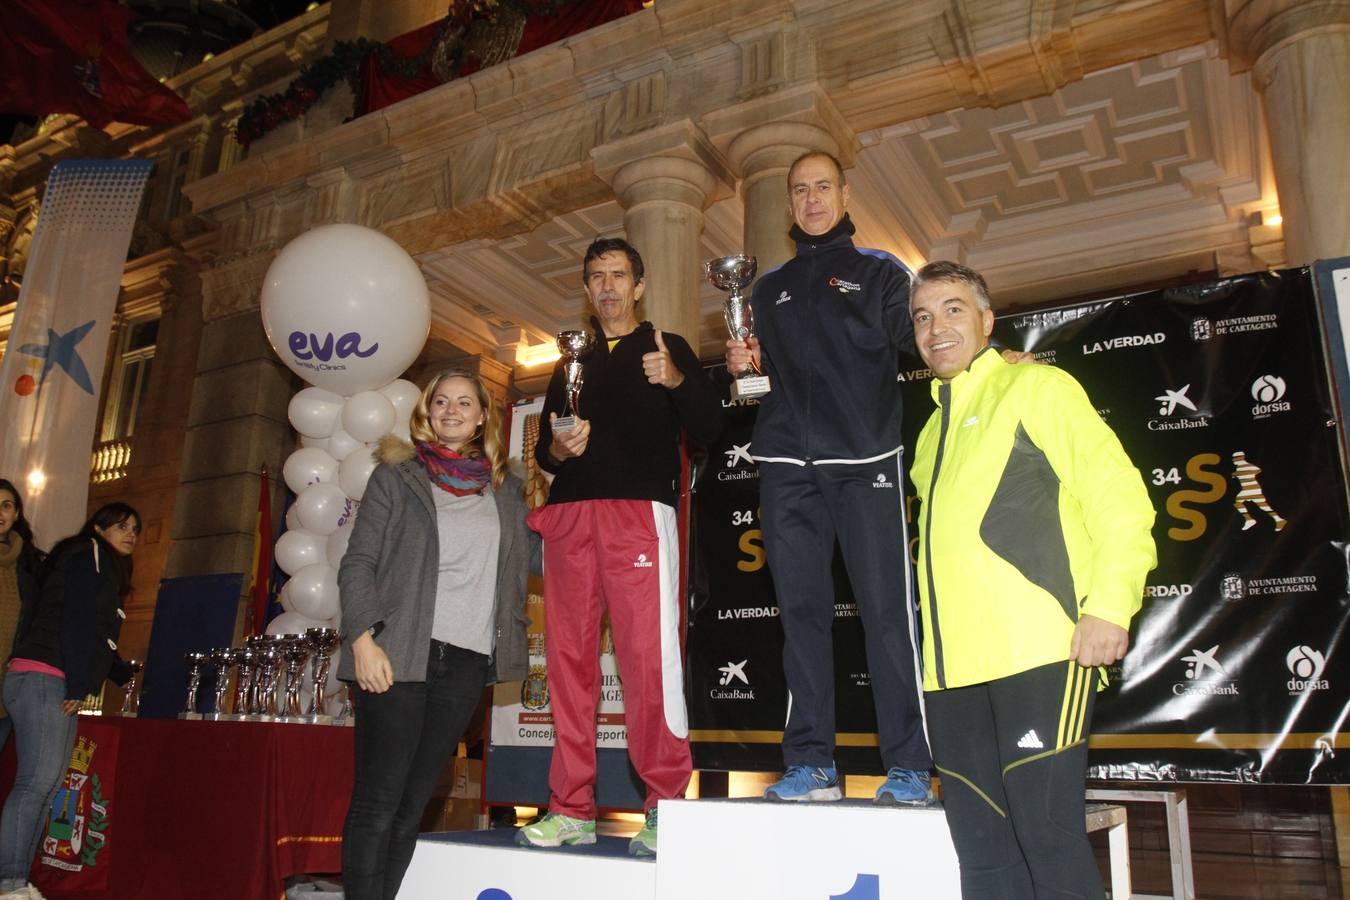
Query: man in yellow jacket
[(1035, 538)]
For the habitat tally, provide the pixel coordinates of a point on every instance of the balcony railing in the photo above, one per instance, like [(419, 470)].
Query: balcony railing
[(110, 461)]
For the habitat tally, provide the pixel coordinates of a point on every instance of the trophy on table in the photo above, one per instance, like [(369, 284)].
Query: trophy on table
[(130, 700), (246, 658), (196, 661), (295, 652), (731, 274), (322, 642), (264, 706), (222, 658), (574, 346)]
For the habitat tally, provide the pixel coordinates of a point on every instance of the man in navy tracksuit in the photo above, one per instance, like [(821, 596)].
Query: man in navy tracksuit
[(831, 324)]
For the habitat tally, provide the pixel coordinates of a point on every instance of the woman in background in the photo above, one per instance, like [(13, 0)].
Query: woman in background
[(19, 560), (433, 609), (66, 647)]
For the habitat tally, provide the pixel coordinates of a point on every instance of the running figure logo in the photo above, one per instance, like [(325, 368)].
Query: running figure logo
[(1249, 491)]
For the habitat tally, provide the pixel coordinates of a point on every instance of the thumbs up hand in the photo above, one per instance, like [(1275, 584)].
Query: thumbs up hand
[(659, 367)]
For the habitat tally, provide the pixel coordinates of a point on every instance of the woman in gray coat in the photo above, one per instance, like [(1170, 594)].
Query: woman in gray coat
[(433, 609)]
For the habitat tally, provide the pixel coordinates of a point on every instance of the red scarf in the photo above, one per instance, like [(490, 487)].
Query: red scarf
[(449, 471)]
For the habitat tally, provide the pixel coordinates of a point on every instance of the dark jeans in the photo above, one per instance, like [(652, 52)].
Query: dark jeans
[(404, 738)]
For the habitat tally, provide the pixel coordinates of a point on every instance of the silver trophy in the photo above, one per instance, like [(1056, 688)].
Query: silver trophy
[(322, 641), (130, 701), (731, 274), (269, 649), (295, 652), (196, 661), (574, 346), (222, 658), (246, 658)]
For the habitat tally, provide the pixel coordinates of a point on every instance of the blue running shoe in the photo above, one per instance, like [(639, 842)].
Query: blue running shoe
[(905, 787), (801, 783)]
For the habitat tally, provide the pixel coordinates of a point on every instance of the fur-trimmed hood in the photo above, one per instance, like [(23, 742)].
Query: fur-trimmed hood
[(393, 450)]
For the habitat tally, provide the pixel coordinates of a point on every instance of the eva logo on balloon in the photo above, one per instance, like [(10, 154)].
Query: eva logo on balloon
[(307, 346)]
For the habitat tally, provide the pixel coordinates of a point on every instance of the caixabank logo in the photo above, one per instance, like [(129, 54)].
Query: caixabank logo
[(732, 683), (1306, 665), (1177, 411), (1206, 676)]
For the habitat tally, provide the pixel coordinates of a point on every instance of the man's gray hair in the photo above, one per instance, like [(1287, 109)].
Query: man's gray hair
[(948, 272)]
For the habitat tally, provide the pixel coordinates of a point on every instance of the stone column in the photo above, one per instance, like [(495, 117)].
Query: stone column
[(1299, 51), (761, 156), (664, 179), (236, 423)]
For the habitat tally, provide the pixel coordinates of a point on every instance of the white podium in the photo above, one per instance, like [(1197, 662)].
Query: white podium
[(850, 850), (710, 850), (487, 865)]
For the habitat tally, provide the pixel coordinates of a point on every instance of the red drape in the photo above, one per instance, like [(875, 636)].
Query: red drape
[(72, 56), (383, 88)]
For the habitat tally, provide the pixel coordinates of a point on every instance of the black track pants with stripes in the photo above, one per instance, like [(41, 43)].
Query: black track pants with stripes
[(1012, 754)]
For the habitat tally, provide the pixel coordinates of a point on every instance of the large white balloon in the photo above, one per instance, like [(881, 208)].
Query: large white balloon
[(323, 508), (368, 416), (314, 592), (314, 412), (345, 307), (297, 549), (341, 445), (306, 466), (354, 473)]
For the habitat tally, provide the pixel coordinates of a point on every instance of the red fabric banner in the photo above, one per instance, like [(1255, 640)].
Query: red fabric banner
[(384, 88), (73, 56), (74, 849), (262, 555)]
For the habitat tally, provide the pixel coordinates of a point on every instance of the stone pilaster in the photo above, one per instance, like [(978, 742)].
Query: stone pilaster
[(1300, 58), (664, 179)]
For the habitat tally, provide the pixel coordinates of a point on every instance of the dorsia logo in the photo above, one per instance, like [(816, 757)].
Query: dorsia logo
[(729, 676), (1268, 391), (1306, 665), (1124, 342), (1205, 675), (1174, 404)]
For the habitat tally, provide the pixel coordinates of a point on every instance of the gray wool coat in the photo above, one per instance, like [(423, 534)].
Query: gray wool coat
[(388, 574)]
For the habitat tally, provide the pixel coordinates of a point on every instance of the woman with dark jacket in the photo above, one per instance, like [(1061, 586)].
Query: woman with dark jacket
[(65, 649), (433, 610), (19, 560)]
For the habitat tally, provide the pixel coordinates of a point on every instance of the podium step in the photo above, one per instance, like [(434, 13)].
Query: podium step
[(849, 850), (487, 865)]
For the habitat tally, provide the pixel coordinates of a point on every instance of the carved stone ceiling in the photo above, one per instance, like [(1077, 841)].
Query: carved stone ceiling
[(1134, 174)]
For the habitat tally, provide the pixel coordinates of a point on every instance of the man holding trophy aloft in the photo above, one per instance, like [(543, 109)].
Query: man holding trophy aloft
[(831, 324), (610, 542)]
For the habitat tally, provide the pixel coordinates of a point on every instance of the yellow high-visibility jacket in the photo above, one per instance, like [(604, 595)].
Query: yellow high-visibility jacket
[(1031, 515)]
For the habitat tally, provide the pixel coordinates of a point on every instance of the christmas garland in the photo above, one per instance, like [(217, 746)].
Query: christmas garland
[(265, 113)]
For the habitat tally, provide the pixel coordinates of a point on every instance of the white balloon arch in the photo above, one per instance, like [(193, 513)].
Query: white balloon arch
[(346, 309)]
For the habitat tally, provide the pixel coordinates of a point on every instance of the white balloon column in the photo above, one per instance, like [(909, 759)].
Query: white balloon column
[(346, 309)]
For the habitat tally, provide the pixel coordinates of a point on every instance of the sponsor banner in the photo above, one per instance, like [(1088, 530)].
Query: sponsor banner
[(737, 698), (1219, 393), (1236, 671), (75, 849), (521, 716)]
